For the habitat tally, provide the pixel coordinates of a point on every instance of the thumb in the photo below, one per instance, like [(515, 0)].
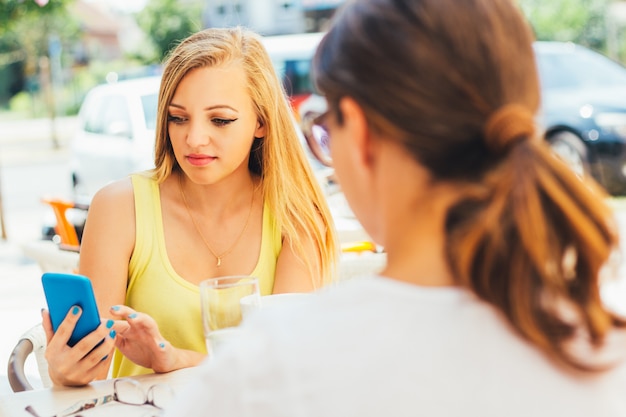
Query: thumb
[(46, 324)]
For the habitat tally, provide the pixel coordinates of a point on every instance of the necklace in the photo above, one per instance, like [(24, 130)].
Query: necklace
[(227, 251)]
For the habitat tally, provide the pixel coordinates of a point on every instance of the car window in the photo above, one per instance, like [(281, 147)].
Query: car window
[(116, 116), (582, 68), (93, 121), (296, 76), (108, 115), (149, 104)]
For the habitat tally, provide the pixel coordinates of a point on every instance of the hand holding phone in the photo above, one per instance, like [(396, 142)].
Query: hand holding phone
[(63, 291)]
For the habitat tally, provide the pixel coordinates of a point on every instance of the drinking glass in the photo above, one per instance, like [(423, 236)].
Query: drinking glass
[(220, 300)]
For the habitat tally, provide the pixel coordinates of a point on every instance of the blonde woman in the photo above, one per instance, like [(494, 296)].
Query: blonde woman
[(232, 193)]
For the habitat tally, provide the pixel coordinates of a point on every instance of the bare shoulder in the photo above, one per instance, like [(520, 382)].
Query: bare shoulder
[(117, 195), (110, 220), (113, 206)]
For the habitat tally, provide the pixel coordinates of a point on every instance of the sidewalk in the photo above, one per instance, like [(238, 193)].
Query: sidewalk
[(21, 300), (31, 141), (24, 146)]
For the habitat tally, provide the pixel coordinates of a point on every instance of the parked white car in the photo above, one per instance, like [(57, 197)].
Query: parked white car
[(115, 134)]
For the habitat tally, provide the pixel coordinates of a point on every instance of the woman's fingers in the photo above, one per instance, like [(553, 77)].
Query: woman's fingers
[(120, 326), (87, 343), (100, 335), (135, 319), (46, 324), (122, 311), (65, 329), (142, 341), (87, 359)]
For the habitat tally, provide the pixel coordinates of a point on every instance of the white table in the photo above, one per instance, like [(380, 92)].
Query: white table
[(50, 257), (47, 402)]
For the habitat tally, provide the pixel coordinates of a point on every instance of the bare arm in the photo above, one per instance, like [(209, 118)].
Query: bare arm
[(292, 274), (107, 243)]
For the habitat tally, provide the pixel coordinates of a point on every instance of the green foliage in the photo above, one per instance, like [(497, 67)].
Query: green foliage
[(35, 34), (23, 103), (580, 21), (167, 22), (29, 34), (13, 11), (27, 31)]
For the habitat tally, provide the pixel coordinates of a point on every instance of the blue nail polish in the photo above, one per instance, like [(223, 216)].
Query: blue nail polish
[(110, 323), (132, 315), (115, 308), (112, 334), (75, 310)]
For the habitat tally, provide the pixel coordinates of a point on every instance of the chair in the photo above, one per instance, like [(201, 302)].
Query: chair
[(62, 256), (33, 341), (66, 231), (51, 257)]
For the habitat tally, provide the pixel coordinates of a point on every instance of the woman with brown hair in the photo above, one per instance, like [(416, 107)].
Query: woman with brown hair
[(489, 305)]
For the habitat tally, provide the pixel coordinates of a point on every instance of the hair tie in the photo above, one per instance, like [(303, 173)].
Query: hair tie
[(507, 126)]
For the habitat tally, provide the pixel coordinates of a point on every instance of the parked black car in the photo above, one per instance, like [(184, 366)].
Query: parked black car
[(584, 110)]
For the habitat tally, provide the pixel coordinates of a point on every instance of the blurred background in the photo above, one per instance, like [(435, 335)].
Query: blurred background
[(53, 51), (66, 65)]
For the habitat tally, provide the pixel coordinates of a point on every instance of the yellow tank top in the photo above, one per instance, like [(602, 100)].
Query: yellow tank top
[(156, 289)]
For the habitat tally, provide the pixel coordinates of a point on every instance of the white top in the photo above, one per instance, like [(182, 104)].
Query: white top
[(377, 347)]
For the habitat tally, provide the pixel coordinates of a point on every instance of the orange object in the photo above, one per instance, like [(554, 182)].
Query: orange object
[(63, 227)]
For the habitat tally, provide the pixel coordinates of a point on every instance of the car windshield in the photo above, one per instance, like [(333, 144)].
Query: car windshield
[(149, 103), (296, 76), (578, 68)]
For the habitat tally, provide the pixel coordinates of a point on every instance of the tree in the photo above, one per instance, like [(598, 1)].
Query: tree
[(580, 21), (167, 22), (25, 29), (13, 11)]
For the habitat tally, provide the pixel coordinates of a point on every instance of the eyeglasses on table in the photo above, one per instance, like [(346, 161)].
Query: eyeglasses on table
[(126, 391)]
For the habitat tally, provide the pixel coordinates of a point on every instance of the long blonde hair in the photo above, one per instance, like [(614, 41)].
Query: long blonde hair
[(290, 188)]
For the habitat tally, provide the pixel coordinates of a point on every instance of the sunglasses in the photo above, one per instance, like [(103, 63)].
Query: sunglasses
[(317, 137)]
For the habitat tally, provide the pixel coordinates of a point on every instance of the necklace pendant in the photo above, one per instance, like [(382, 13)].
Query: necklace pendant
[(219, 262)]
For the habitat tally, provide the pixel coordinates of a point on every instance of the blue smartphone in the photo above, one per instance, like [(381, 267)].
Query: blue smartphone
[(63, 291)]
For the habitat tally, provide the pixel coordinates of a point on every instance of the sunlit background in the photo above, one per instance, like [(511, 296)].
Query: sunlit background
[(67, 46), (53, 52)]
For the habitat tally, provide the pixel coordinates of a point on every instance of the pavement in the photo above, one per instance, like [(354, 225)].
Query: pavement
[(21, 300), (24, 146)]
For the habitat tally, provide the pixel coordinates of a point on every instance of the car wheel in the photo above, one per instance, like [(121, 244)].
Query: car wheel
[(571, 149)]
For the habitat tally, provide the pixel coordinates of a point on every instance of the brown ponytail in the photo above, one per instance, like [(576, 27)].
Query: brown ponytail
[(532, 240)]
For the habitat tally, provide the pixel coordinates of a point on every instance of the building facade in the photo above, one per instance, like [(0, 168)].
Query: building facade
[(270, 17)]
